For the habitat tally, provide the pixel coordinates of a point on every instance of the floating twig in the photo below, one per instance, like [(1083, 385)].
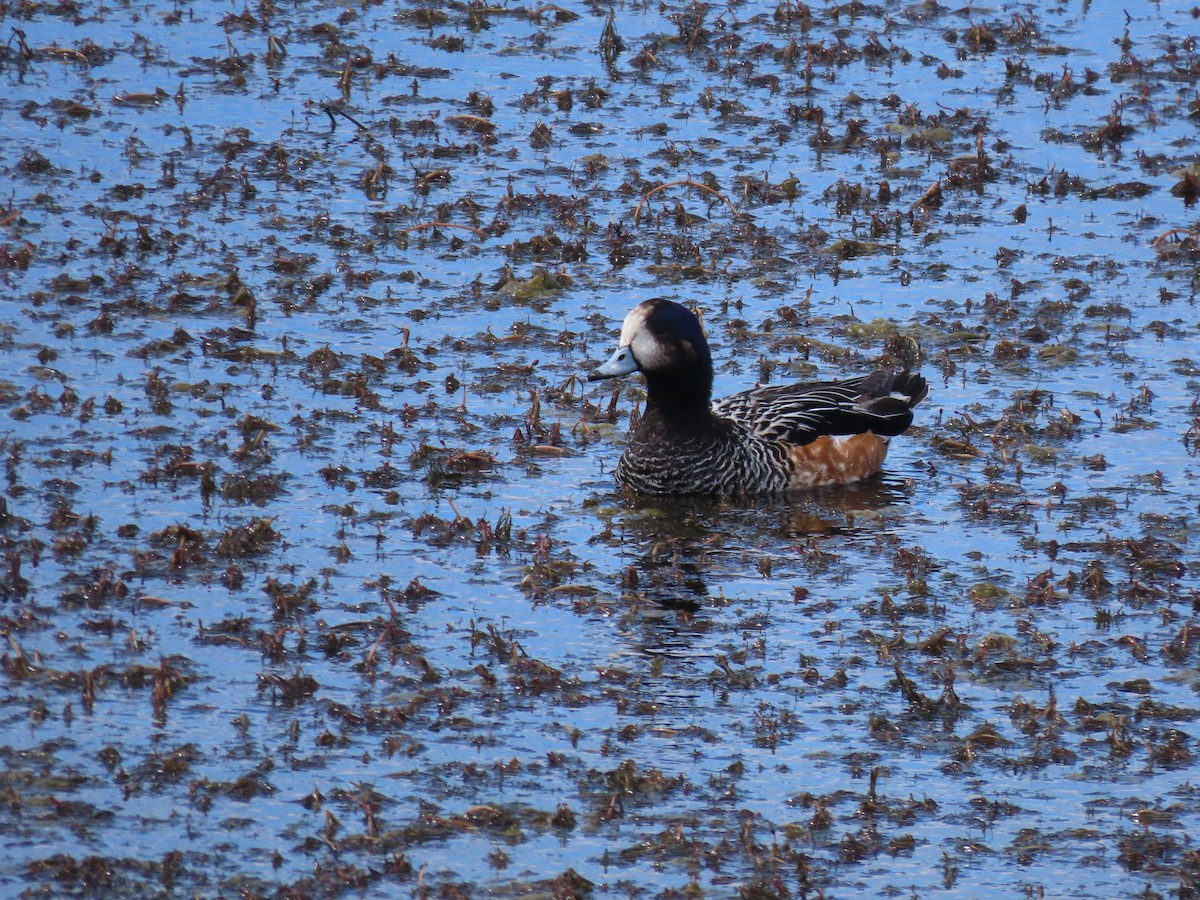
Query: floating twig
[(689, 183), (1175, 235), (330, 109), (562, 14), (931, 197)]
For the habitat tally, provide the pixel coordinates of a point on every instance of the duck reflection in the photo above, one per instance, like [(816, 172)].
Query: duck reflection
[(680, 552)]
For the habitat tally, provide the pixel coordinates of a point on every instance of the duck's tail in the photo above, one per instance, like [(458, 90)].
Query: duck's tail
[(889, 398)]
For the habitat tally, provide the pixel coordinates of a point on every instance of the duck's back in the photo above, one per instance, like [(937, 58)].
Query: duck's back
[(881, 402)]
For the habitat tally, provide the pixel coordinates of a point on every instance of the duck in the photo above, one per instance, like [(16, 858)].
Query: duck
[(766, 440)]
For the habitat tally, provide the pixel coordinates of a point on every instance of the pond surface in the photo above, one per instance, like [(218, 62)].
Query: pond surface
[(315, 579)]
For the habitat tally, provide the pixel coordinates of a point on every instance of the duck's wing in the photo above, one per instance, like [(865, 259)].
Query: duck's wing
[(881, 402)]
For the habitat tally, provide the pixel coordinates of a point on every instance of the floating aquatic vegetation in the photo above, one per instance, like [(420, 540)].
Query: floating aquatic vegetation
[(298, 309)]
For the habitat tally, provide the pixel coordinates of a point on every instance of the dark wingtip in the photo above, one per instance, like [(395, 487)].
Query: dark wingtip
[(884, 383), (911, 385), (892, 396)]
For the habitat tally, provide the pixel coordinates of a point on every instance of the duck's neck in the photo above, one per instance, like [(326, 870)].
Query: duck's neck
[(684, 395)]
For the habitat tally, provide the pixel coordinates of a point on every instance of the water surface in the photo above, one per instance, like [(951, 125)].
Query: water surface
[(316, 581)]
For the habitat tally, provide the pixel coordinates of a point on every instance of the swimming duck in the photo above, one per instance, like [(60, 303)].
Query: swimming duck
[(761, 441)]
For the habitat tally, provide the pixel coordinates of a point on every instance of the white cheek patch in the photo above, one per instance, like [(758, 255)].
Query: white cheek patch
[(648, 351)]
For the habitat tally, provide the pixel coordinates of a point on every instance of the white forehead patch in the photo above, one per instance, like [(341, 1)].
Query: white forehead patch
[(635, 321)]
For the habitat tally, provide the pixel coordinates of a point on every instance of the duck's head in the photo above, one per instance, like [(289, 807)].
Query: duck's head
[(659, 336), (664, 341)]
